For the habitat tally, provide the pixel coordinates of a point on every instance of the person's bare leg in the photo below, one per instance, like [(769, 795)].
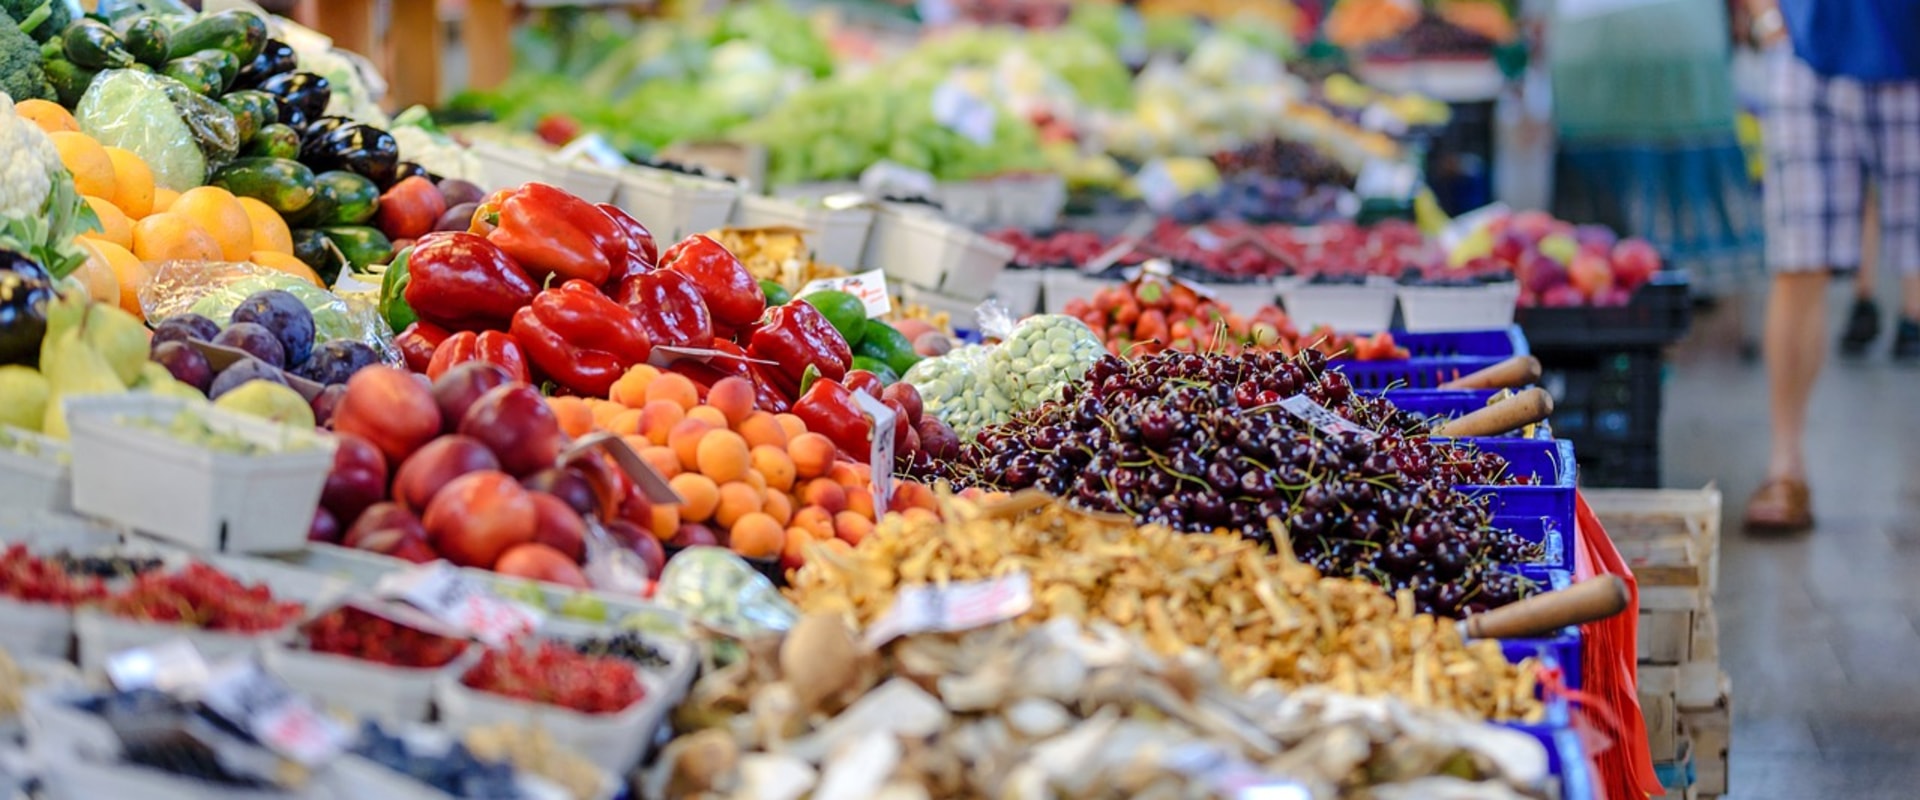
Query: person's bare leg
[(1910, 296), (1795, 346)]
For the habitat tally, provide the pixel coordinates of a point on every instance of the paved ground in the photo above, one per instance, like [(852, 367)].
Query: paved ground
[(1820, 632)]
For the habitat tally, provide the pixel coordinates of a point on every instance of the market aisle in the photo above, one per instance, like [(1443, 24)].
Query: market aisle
[(1820, 632)]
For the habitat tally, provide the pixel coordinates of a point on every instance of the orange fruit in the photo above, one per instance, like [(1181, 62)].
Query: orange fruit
[(222, 215), (678, 388), (658, 418), (812, 454), (757, 535), (96, 273), (92, 168), (133, 189), (699, 495), (685, 441), (128, 270), (114, 225), (169, 236), (761, 428), (281, 262), (163, 198), (814, 520), (733, 397), (774, 465), (663, 459), (851, 528), (49, 116), (723, 456), (269, 230), (736, 500), (631, 389)]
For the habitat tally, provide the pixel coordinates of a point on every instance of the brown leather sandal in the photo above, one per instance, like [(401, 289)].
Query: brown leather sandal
[(1781, 505)]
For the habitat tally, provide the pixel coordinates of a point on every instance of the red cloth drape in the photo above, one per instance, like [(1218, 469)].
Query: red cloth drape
[(1609, 668)]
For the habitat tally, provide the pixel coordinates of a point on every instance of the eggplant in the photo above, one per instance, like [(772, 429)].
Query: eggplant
[(356, 148), (26, 290), (290, 116), (317, 130), (407, 169), (276, 58), (305, 91)]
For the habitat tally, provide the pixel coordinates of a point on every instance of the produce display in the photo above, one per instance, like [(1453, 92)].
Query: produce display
[(553, 673), (1150, 315), (976, 386), (201, 596), (1557, 262), (358, 633)]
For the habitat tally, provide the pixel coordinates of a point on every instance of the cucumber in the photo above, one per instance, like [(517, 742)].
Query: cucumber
[(314, 249), (274, 141), (283, 184), (69, 80), (235, 31), (91, 44), (148, 39), (201, 73), (363, 245), (252, 110), (355, 197)]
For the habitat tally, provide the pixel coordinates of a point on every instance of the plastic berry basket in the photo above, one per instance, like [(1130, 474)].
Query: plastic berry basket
[(613, 742), (1446, 404), (1494, 342), (38, 477), (363, 688), (1410, 373)]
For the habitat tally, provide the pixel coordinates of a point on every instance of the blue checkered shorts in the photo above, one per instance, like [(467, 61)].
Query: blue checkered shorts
[(1827, 138)]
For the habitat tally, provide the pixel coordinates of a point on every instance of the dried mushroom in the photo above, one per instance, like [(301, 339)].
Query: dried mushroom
[(1263, 615)]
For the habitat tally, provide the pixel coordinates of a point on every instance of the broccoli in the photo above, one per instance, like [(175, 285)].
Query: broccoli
[(20, 72), (42, 19)]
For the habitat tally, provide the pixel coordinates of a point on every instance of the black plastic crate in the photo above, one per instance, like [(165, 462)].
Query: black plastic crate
[(1658, 315), (1621, 465), (1600, 399)]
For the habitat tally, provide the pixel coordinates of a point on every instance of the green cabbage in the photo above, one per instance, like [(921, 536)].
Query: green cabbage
[(181, 135)]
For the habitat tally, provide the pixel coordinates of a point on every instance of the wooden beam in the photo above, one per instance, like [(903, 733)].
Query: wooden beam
[(489, 38), (350, 23), (416, 47)]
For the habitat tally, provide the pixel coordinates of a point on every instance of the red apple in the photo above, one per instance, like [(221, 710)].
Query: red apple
[(358, 478), (515, 421), (541, 563), (383, 528), (326, 403), (324, 528), (558, 526), (387, 407), (459, 387), (1541, 274), (1634, 263), (566, 484), (1590, 274), (479, 516), (434, 466)]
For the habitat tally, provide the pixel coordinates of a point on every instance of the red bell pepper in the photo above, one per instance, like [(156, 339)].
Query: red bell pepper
[(462, 282), (772, 391), (642, 253), (418, 342), (829, 409), (732, 294), (861, 380), (553, 233), (492, 347), (796, 336), (579, 338), (669, 308), (704, 374)]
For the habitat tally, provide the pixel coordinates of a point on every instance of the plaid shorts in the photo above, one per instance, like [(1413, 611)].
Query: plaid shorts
[(1826, 139)]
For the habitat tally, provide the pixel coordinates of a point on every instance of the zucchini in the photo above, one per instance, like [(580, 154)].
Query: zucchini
[(148, 39), (253, 110), (285, 185), (273, 140), (314, 249), (326, 200), (363, 245), (355, 197), (235, 31), (199, 73), (69, 80), (91, 44)]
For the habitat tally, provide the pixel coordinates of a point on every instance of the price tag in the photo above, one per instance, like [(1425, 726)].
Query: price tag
[(869, 286), (1321, 417), (880, 458), (1157, 186), (1388, 179), (958, 606), (652, 485), (442, 591), (263, 706), (594, 149), (960, 110), (170, 666)]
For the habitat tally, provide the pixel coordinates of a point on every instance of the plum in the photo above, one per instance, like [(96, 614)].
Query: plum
[(185, 327), (246, 369), (285, 316), (337, 360), (256, 341), (186, 364)]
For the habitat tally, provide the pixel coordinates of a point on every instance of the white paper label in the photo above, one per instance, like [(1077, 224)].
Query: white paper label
[(263, 706), (441, 590), (170, 666), (880, 458), (869, 286), (886, 178), (963, 112), (594, 149), (1156, 186), (1321, 417), (956, 606), (1390, 179)]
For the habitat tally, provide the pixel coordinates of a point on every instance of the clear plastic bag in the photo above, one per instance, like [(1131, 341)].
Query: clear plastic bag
[(954, 388), (715, 588), (181, 136), (213, 288), (1043, 353)]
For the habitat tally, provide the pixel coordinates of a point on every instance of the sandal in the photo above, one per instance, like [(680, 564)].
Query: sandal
[(1781, 505)]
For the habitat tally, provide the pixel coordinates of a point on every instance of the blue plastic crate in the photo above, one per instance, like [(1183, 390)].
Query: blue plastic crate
[(1576, 772), (1496, 343), (1558, 720), (1559, 476), (1556, 539), (1411, 373), (1561, 648), (1451, 403)]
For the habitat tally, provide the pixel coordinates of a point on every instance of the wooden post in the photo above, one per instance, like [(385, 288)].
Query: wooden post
[(489, 37), (350, 23), (415, 49)]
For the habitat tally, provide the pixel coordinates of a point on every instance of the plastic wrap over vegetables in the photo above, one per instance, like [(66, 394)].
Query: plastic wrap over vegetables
[(182, 136), (980, 385), (953, 388), (713, 587), (213, 288)]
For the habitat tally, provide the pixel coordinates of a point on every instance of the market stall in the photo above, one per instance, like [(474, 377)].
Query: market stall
[(968, 423)]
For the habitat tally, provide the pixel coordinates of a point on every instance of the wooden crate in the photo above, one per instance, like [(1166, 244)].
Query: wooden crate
[(1671, 537), (1711, 731), (1694, 686), (1665, 739), (1678, 774), (1678, 636)]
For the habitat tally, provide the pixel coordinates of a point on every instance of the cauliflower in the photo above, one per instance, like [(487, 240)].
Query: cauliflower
[(40, 211)]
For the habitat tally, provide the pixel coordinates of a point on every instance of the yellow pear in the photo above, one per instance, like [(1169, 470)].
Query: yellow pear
[(165, 385), (73, 369), (270, 401), (23, 397), (120, 337)]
